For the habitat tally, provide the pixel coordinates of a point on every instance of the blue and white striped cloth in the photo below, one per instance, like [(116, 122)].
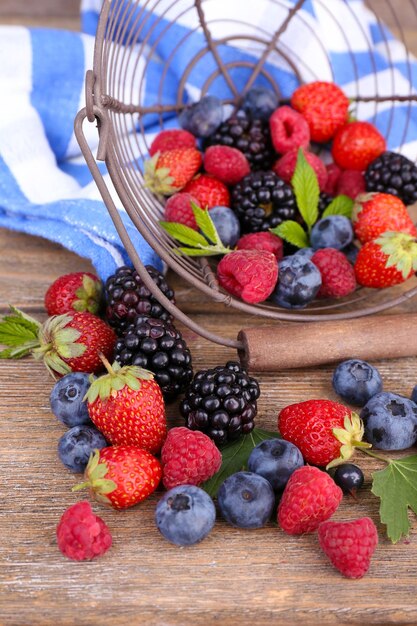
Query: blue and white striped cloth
[(45, 185)]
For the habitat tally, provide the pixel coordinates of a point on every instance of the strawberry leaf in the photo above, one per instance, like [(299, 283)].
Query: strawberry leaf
[(341, 205), (235, 457), (306, 190), (292, 232)]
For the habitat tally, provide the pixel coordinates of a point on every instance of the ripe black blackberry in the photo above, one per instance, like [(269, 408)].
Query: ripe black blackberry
[(395, 174), (221, 402), (127, 296), (262, 200), (252, 137), (159, 347), (324, 201)]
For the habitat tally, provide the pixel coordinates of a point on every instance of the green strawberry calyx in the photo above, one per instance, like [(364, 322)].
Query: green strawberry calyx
[(88, 295), (350, 436), (115, 380), (360, 200), (158, 179), (95, 474), (401, 251)]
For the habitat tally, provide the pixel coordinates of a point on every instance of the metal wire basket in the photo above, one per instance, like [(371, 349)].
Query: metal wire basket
[(128, 34)]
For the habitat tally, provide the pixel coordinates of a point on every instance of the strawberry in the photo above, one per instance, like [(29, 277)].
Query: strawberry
[(389, 260), (66, 343), (324, 106), (208, 191), (168, 172), (376, 213), (79, 291), (171, 140), (356, 145), (127, 406), (121, 476), (324, 431)]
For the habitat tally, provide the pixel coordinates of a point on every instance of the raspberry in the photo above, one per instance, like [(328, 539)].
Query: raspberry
[(285, 166), (333, 175), (227, 164), (178, 209), (310, 497), (171, 140), (262, 241), (208, 191), (337, 274), (289, 130), (189, 457), (351, 183), (248, 274), (81, 535), (349, 545)]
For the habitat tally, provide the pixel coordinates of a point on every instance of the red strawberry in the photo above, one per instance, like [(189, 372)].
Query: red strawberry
[(333, 175), (324, 106), (349, 545), (178, 209), (121, 476), (208, 191), (389, 260), (225, 163), (172, 140), (285, 166), (127, 406), (324, 431), (309, 498), (337, 274), (351, 183), (262, 241), (79, 291), (376, 213), (289, 130), (248, 274), (170, 171), (356, 145)]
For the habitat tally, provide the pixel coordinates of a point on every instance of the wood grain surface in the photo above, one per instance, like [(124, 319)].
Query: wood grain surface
[(233, 576)]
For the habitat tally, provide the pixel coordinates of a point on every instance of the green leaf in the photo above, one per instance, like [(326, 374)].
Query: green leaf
[(206, 224), (18, 329), (341, 205), (292, 232), (198, 251), (234, 458), (306, 189), (396, 486), (184, 234)]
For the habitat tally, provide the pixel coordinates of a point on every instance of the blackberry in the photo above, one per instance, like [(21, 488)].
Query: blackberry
[(252, 137), (158, 346), (127, 297), (395, 174), (324, 201), (221, 402), (262, 200)]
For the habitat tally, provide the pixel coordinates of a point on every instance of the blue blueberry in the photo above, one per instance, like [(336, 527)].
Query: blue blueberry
[(66, 399), (333, 231), (203, 117), (227, 225), (356, 381), (298, 282), (348, 477), (185, 515), (414, 394), (351, 252), (390, 421), (275, 460), (260, 102), (305, 252), (246, 500), (76, 445)]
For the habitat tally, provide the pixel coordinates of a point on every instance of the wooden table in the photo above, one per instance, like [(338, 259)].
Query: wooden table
[(233, 576)]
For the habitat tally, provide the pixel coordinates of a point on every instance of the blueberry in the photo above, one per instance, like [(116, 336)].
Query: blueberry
[(260, 102), (390, 421), (298, 282), (76, 445), (351, 252), (348, 477), (227, 225), (185, 515), (246, 500), (275, 460), (203, 117), (66, 399), (356, 381), (333, 231), (414, 394), (305, 252)]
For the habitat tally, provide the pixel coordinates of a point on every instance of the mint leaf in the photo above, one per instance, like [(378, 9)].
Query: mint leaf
[(207, 251), (292, 232), (206, 224), (207, 243), (235, 457), (396, 486), (184, 234), (306, 190), (18, 331), (341, 205)]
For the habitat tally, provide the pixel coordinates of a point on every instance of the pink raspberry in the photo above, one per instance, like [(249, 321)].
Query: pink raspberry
[(262, 241), (349, 545), (333, 175), (351, 183), (189, 457), (337, 274), (81, 535), (248, 274), (285, 166), (171, 140), (227, 164), (289, 130), (178, 209)]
